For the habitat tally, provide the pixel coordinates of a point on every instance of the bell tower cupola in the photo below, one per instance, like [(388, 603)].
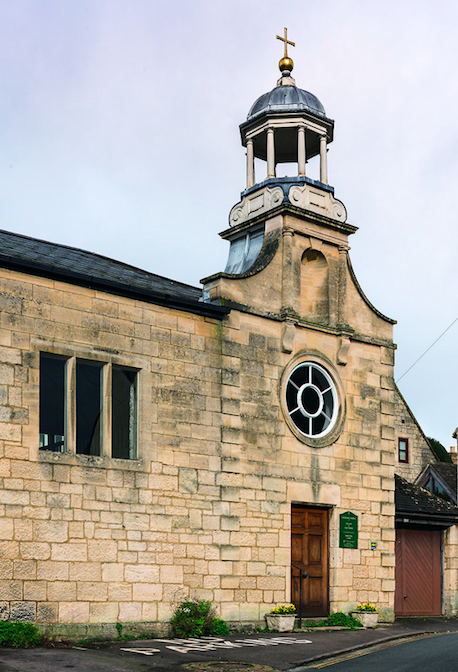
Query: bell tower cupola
[(287, 125), (288, 234)]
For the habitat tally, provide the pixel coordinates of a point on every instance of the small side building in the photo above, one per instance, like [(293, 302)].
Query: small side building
[(426, 519)]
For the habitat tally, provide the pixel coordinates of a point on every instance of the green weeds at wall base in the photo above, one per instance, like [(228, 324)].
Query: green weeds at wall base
[(19, 635), (194, 618), (337, 619)]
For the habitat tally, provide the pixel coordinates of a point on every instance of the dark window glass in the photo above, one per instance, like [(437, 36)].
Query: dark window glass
[(435, 488), (52, 403), (439, 491), (88, 407), (124, 413), (403, 450), (311, 399)]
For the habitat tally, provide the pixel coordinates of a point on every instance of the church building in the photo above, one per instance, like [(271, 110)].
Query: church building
[(236, 442)]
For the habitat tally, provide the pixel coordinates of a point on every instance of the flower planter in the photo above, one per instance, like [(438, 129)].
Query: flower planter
[(280, 622), (368, 619)]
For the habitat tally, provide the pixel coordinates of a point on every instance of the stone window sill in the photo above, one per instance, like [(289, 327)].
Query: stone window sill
[(90, 461)]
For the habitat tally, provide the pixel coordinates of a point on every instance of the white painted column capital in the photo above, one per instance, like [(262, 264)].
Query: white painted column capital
[(270, 153)]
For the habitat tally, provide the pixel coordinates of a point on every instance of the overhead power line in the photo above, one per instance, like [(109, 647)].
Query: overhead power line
[(427, 349)]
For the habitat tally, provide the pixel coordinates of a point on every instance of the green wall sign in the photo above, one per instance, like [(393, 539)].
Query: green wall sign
[(348, 530)]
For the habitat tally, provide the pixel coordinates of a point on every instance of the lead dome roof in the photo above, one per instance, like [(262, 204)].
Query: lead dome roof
[(286, 99)]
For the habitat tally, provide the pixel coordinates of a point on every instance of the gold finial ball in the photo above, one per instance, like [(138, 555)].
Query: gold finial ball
[(286, 63)]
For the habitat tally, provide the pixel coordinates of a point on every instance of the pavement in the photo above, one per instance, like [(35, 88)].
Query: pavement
[(260, 652)]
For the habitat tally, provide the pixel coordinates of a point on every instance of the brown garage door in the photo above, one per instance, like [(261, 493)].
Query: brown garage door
[(309, 549), (418, 573)]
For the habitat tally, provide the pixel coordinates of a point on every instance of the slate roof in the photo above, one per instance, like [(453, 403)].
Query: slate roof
[(87, 269), (413, 502), (286, 99)]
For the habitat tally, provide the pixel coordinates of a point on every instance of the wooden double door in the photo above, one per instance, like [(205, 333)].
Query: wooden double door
[(309, 551), (418, 573)]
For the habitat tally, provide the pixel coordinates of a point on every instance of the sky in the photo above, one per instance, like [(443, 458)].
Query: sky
[(119, 135)]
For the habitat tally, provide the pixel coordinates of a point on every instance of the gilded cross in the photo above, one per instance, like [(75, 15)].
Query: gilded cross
[(286, 41)]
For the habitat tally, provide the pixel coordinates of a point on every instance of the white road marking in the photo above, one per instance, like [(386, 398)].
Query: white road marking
[(145, 652), (214, 643)]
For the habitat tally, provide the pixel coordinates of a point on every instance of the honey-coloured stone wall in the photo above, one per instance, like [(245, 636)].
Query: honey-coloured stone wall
[(95, 539), (205, 509), (407, 427)]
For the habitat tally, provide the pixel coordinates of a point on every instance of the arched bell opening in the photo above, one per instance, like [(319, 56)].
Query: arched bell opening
[(286, 151)]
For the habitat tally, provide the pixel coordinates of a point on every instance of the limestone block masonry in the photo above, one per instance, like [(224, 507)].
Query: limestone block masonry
[(406, 426), (205, 510)]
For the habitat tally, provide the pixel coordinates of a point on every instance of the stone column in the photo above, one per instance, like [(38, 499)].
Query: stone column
[(342, 309), (250, 178), (323, 160), (301, 151), (105, 415), (270, 153), (287, 272), (70, 395)]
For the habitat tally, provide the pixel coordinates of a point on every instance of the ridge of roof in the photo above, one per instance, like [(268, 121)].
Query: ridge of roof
[(89, 269), (396, 388), (96, 255)]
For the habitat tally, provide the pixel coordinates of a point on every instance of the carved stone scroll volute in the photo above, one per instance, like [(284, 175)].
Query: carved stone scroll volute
[(342, 354)]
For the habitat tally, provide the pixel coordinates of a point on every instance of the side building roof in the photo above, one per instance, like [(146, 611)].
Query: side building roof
[(418, 506), (445, 475), (87, 269)]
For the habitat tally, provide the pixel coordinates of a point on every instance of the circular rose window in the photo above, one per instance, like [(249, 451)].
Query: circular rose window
[(311, 400)]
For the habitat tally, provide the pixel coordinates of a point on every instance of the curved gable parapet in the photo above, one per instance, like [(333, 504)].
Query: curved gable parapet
[(364, 297), (268, 250)]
